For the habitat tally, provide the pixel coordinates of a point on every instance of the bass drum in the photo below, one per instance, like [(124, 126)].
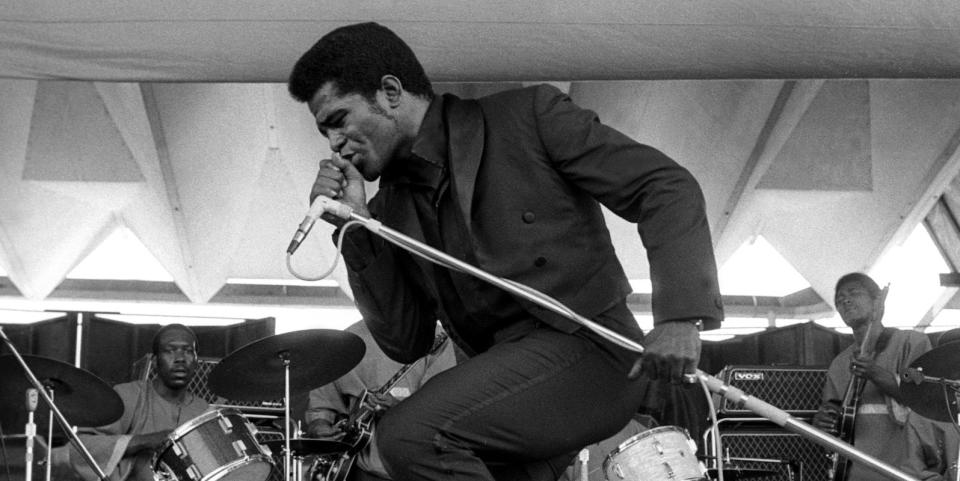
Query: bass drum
[(665, 453), (218, 445)]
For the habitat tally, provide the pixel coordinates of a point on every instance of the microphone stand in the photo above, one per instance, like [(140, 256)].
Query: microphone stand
[(54, 410), (731, 393), (30, 432), (916, 376), (49, 465)]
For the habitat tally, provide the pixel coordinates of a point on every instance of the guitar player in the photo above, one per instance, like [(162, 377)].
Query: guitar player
[(878, 419), (332, 407)]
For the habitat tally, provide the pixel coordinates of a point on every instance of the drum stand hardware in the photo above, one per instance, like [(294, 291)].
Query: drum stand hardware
[(326, 205), (919, 389), (48, 399)]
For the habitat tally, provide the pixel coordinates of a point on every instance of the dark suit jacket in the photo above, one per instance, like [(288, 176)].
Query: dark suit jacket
[(529, 168)]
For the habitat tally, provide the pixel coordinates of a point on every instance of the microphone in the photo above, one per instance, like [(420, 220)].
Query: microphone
[(320, 206), (33, 397)]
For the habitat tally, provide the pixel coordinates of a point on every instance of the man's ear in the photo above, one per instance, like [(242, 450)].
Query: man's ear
[(392, 88)]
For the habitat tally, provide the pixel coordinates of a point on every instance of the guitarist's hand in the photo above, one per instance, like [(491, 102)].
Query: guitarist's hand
[(827, 418), (382, 402), (867, 368), (321, 429)]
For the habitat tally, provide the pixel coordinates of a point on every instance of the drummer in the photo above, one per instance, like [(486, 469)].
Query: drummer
[(151, 410)]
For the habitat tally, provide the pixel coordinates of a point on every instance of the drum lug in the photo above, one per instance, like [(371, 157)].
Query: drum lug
[(225, 424), (240, 448), (177, 450), (193, 472)]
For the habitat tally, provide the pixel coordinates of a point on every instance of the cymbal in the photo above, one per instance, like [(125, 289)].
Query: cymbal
[(732, 472), (933, 400), (83, 398), (255, 372), (306, 446)]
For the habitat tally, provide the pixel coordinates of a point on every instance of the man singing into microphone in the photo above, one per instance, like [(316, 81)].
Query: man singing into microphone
[(513, 184)]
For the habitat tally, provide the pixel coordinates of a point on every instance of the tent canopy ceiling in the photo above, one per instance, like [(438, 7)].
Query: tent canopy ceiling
[(498, 40), (831, 129)]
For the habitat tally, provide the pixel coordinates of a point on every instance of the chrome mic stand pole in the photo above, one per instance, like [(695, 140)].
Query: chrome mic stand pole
[(54, 410), (285, 356), (30, 433), (758, 406), (49, 441)]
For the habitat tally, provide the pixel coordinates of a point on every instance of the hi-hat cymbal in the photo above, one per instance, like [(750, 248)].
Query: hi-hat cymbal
[(306, 446), (83, 398), (933, 400), (256, 371)]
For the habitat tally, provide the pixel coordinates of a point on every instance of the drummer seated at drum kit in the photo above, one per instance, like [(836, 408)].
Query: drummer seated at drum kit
[(152, 409)]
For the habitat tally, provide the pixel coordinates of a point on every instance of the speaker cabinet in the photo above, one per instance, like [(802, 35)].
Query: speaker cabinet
[(766, 446), (794, 389)]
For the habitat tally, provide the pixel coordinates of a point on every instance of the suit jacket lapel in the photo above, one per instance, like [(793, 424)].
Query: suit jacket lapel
[(465, 136)]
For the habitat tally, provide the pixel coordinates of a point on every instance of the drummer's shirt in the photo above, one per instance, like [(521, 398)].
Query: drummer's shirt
[(144, 411), (879, 430)]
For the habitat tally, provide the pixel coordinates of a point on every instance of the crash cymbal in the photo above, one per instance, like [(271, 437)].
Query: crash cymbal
[(733, 472), (83, 398), (256, 371), (931, 399), (307, 446)]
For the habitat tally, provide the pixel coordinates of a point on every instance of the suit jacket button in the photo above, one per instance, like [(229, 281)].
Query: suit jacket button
[(528, 217), (540, 261)]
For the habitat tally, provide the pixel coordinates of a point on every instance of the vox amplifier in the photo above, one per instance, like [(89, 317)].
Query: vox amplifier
[(794, 389)]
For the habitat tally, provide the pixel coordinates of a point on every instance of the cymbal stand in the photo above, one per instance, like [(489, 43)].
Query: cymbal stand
[(285, 357), (916, 375), (733, 394), (54, 410), (49, 439)]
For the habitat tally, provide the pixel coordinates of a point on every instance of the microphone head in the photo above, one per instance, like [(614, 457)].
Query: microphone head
[(32, 399)]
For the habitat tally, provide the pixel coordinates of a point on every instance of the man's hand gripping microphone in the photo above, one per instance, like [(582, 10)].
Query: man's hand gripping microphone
[(320, 206)]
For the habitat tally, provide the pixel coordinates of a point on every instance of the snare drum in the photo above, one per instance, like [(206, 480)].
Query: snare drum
[(217, 445), (659, 454)]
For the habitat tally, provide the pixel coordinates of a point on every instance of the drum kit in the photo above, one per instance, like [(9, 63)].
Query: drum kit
[(222, 445), (219, 445), (668, 452)]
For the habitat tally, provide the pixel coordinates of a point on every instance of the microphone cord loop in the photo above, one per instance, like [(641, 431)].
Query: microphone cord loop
[(336, 258)]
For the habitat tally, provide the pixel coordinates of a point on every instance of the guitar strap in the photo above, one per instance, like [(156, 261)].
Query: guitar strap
[(882, 341)]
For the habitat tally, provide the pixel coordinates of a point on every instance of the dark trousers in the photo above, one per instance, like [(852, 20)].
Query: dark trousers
[(519, 411)]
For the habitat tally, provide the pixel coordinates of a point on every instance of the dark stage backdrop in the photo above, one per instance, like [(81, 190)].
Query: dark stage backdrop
[(111, 348), (54, 338), (807, 344)]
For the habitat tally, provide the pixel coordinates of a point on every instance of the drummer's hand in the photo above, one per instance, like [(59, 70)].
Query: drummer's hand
[(151, 441), (827, 418), (339, 180), (671, 350)]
